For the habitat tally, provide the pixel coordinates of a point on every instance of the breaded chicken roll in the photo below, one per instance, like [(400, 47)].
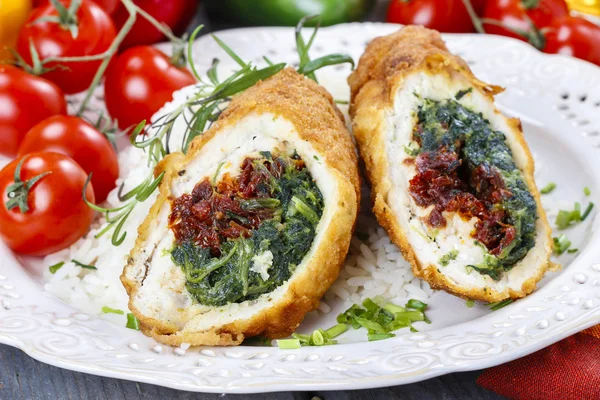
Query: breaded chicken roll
[(452, 178), (252, 226)]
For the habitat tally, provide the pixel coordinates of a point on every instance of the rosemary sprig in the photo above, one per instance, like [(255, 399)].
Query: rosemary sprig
[(199, 111)]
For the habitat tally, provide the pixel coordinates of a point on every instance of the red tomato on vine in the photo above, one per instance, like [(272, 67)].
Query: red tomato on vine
[(57, 31), (26, 100), (79, 140), (42, 209), (574, 36), (139, 82)]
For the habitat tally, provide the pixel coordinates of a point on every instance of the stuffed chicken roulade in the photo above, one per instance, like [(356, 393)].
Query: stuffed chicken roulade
[(252, 225), (452, 178)]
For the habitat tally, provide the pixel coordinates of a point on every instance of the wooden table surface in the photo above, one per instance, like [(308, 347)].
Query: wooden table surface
[(22, 377)]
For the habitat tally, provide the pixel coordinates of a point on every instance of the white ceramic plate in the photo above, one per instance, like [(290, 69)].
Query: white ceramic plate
[(558, 100)]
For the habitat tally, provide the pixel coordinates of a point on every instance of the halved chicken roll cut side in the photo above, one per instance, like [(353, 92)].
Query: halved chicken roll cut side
[(452, 177), (251, 227)]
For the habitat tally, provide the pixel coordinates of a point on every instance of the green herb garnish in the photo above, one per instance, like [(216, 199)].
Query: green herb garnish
[(446, 258), (82, 265), (288, 344), (132, 322), (561, 244), (371, 337), (321, 337), (565, 219), (470, 303), (379, 321), (548, 188), (462, 93), (587, 211), (108, 310), (571, 251), (56, 267), (587, 191), (498, 305)]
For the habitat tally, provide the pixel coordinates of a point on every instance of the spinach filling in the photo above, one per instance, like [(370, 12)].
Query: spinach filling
[(244, 236), (465, 166)]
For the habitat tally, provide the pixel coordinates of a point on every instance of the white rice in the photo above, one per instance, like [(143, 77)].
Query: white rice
[(375, 267), (90, 290)]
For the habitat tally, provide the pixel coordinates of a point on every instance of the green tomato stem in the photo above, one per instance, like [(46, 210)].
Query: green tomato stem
[(112, 50), (477, 22)]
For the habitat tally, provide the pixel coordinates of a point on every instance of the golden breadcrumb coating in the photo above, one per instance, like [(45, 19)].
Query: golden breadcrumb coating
[(382, 69), (312, 111)]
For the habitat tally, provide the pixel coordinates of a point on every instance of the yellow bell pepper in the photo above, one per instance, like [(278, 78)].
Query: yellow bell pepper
[(13, 14)]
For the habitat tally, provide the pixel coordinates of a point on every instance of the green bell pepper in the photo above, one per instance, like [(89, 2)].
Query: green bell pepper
[(289, 12)]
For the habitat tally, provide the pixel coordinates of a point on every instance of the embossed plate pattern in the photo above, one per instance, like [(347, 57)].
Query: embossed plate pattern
[(557, 98)]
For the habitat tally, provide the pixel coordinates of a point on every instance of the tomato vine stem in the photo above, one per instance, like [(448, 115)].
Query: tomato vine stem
[(477, 22)]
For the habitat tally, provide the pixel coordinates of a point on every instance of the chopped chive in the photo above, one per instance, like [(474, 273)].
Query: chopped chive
[(56, 267), (561, 244), (498, 305), (370, 305), (416, 305), (379, 336), (317, 339), (587, 211), (548, 188), (393, 308), (563, 219), (82, 265), (470, 303), (587, 191), (288, 344), (132, 322), (571, 251), (304, 339), (108, 310), (382, 320), (337, 101), (336, 330)]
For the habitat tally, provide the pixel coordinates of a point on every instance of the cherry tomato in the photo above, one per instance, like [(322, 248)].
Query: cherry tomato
[(47, 214), (25, 100), (82, 142), (576, 37), (139, 82), (94, 35), (176, 14), (442, 15), (515, 14)]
